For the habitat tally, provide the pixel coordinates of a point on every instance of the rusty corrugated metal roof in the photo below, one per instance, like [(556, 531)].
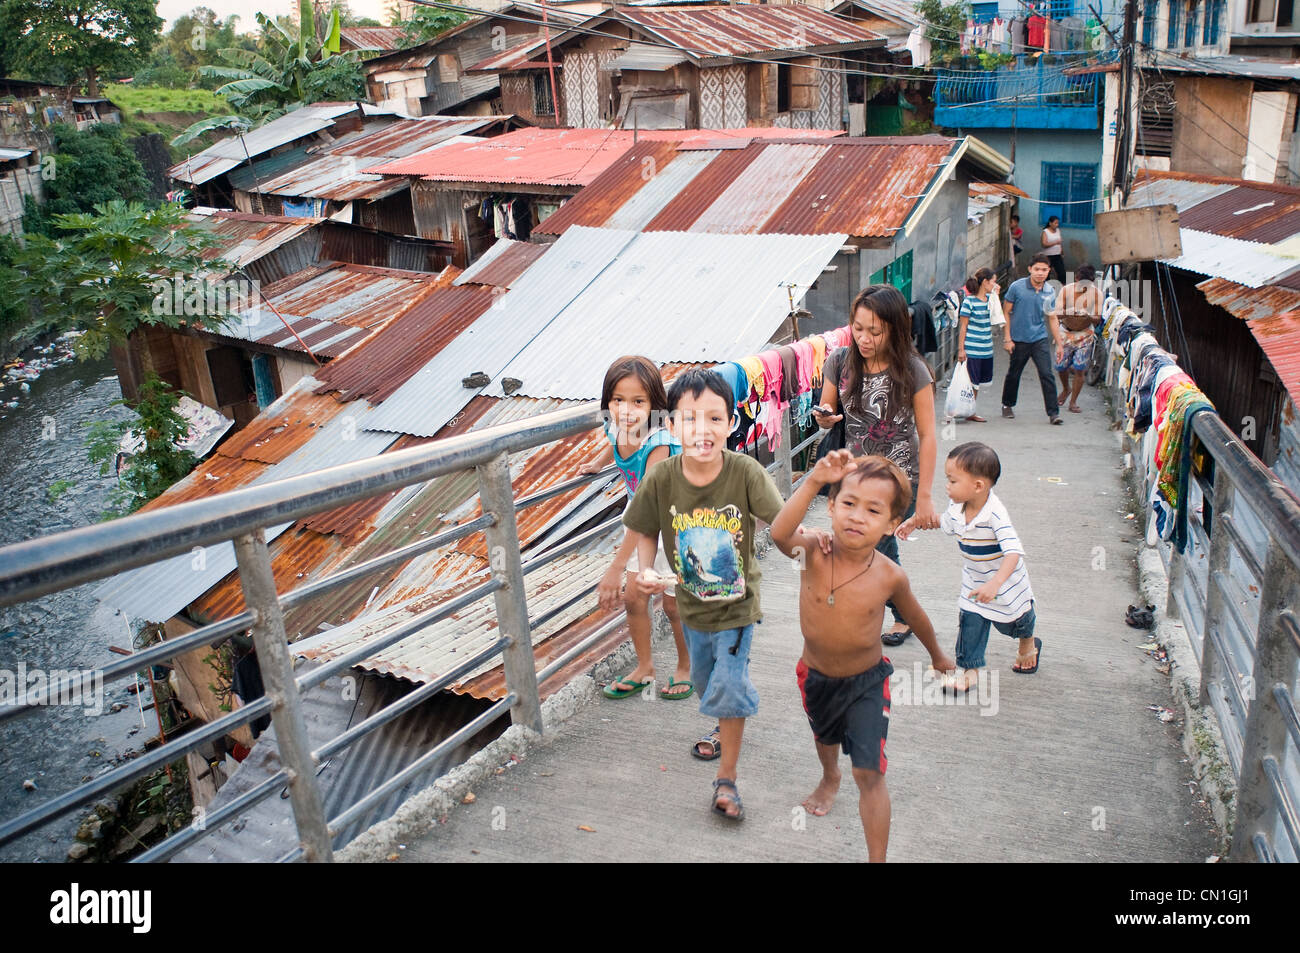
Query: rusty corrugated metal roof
[(292, 552), (1273, 315), (242, 239), (1279, 337), (375, 37), (1249, 304), (863, 188), (501, 264), (281, 428), (612, 189), (997, 188), (217, 474), (1241, 210), (700, 192), (381, 365), (748, 28)]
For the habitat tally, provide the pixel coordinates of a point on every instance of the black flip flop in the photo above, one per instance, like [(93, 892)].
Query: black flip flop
[(896, 638)]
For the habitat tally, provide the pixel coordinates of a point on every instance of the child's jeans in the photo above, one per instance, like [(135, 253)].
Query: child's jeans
[(722, 678), (973, 635)]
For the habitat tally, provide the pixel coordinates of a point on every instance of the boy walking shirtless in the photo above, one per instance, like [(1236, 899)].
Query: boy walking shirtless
[(843, 673)]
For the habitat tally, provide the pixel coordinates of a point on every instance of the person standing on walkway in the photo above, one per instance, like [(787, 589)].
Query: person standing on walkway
[(975, 333), (887, 398), (1029, 306), (1079, 308), (1052, 246)]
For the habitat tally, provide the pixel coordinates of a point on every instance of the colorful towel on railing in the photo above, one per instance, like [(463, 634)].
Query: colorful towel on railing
[(1173, 445)]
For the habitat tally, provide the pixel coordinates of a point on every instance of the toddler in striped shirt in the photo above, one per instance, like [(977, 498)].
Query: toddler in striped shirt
[(994, 583)]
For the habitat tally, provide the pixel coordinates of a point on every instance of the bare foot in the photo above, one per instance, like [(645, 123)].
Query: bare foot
[(823, 797), (1060, 397)]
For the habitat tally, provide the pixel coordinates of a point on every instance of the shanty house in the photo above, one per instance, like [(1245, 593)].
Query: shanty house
[(431, 77), (687, 67), (473, 194)]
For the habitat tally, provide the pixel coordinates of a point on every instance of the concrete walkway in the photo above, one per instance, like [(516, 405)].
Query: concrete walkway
[(1071, 766)]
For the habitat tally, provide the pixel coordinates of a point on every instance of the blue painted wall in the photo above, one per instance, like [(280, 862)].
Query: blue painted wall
[(1033, 148)]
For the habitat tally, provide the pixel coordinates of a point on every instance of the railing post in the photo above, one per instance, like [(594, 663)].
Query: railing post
[(1265, 733), (784, 464), (273, 659), (497, 497), (1218, 564)]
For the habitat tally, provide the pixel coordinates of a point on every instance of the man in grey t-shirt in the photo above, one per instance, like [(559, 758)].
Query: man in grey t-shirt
[(1028, 306)]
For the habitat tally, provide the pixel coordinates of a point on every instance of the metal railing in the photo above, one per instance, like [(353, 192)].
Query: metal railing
[(1235, 588), (1026, 84), (53, 563)]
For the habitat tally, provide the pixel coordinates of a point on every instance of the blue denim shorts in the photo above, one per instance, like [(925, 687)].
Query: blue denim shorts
[(721, 678), (973, 634)]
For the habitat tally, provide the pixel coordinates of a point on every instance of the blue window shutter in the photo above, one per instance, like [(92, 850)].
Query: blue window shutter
[(1083, 186), (263, 381)]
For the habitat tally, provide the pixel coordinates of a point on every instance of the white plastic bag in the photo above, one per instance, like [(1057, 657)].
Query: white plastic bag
[(961, 393)]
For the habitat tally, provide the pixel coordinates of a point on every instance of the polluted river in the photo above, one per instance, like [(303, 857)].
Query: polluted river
[(49, 487)]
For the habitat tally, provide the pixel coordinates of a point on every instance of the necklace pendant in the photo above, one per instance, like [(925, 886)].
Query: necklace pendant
[(830, 600)]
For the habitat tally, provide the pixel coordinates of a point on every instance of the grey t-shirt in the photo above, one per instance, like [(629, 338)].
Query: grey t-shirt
[(880, 428)]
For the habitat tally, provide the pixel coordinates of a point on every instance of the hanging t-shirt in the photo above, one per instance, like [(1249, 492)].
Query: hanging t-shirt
[(633, 467), (708, 536), (878, 425)]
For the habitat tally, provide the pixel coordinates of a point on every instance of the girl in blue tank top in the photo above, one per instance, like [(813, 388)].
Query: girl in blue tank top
[(635, 408)]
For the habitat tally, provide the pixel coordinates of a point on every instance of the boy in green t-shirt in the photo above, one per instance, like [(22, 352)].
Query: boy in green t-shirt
[(704, 502)]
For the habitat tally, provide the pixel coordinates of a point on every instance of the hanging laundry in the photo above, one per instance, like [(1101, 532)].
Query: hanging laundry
[(736, 377), (754, 372), (789, 373), (804, 376), (1037, 31)]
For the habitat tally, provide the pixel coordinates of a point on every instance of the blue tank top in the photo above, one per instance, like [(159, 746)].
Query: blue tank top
[(633, 467)]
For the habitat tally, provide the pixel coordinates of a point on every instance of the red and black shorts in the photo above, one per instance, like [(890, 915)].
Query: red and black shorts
[(852, 712)]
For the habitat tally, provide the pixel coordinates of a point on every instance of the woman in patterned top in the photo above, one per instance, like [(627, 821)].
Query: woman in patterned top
[(887, 405)]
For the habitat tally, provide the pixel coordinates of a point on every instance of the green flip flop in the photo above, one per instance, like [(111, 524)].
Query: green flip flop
[(679, 695), (609, 691)]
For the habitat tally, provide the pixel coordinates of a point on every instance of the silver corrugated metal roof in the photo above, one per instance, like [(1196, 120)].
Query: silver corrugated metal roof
[(1247, 263), (653, 287), (439, 647), (1179, 192), (7, 154), (435, 394), (661, 188), (753, 195), (644, 56), (223, 156), (500, 246), (160, 590), (674, 297)]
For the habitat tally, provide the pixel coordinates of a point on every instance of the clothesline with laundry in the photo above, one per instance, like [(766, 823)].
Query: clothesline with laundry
[(1035, 31), (1161, 400)]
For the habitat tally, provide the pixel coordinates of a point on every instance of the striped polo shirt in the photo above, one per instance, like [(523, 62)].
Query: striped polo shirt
[(979, 334), (983, 542)]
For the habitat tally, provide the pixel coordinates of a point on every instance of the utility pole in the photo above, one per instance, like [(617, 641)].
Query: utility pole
[(1124, 154)]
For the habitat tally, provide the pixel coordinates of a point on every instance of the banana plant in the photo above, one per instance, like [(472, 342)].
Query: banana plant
[(285, 73)]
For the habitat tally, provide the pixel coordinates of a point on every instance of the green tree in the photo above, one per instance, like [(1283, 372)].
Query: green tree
[(101, 275), (89, 168), (80, 39), (287, 72), (159, 462), (426, 23), (944, 26)]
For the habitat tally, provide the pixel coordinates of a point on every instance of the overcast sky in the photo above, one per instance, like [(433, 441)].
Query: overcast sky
[(169, 10)]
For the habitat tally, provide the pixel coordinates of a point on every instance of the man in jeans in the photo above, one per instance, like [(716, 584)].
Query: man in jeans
[(1028, 306)]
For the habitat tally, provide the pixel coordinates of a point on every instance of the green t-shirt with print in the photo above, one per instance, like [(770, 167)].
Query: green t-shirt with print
[(708, 536)]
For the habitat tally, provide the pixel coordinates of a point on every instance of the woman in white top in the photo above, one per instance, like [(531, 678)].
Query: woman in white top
[(1051, 240)]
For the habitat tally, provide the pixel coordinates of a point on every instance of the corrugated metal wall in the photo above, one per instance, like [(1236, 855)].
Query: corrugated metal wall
[(1219, 351)]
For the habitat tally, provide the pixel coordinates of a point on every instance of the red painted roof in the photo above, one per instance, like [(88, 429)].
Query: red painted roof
[(558, 157)]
